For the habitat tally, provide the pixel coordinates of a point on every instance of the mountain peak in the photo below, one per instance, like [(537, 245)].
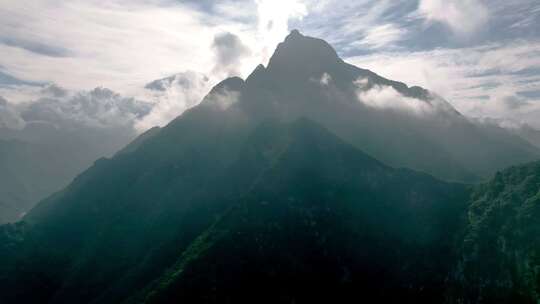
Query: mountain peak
[(304, 55), (294, 34), (229, 84)]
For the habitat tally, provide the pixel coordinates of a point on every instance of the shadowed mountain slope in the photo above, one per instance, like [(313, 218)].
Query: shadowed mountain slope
[(269, 183), (322, 222), (402, 126), (292, 187)]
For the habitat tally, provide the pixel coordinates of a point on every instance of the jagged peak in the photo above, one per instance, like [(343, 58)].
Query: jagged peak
[(294, 34), (257, 72), (259, 69), (231, 83), (299, 52)]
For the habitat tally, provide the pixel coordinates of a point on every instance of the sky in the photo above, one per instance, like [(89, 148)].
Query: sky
[(151, 60)]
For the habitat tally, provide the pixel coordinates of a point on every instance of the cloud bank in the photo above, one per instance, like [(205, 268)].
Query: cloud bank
[(387, 98), (480, 55), (463, 17), (494, 80)]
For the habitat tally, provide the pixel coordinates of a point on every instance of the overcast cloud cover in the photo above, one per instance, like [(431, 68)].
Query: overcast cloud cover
[(482, 56)]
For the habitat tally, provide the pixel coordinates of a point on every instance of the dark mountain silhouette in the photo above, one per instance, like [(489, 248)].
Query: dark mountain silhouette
[(262, 193), (322, 222), (305, 77)]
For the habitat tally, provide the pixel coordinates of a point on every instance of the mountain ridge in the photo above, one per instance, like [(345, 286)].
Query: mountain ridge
[(305, 77), (296, 137), (269, 183)]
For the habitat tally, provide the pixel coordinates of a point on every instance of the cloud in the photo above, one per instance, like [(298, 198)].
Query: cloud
[(463, 17), (171, 96), (229, 52), (9, 118), (54, 90), (324, 80), (120, 44), (21, 93), (98, 108), (34, 47), (224, 99), (513, 102), (273, 21), (357, 26), (387, 98), (123, 45), (8, 80), (482, 81), (186, 80), (383, 36)]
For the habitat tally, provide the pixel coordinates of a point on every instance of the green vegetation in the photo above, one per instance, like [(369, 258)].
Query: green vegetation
[(500, 251)]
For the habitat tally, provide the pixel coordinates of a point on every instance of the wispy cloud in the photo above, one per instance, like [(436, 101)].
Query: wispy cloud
[(273, 21), (9, 117), (483, 81), (171, 96), (383, 36), (387, 98), (480, 55), (463, 17), (118, 44), (229, 53)]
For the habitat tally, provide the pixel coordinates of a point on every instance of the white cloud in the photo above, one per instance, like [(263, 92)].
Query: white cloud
[(118, 44), (9, 117), (20, 94), (478, 81), (224, 99), (97, 108), (387, 98), (229, 53), (273, 21), (348, 23), (383, 36), (464, 17), (171, 96), (124, 44), (325, 79)]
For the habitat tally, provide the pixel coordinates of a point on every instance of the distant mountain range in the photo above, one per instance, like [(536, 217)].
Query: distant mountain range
[(292, 187), (46, 142), (530, 134), (40, 159)]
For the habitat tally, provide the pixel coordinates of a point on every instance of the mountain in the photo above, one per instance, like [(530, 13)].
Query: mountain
[(268, 191), (25, 177), (292, 181), (45, 143), (400, 125), (135, 207), (40, 160), (137, 142), (500, 247), (530, 134), (322, 222)]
